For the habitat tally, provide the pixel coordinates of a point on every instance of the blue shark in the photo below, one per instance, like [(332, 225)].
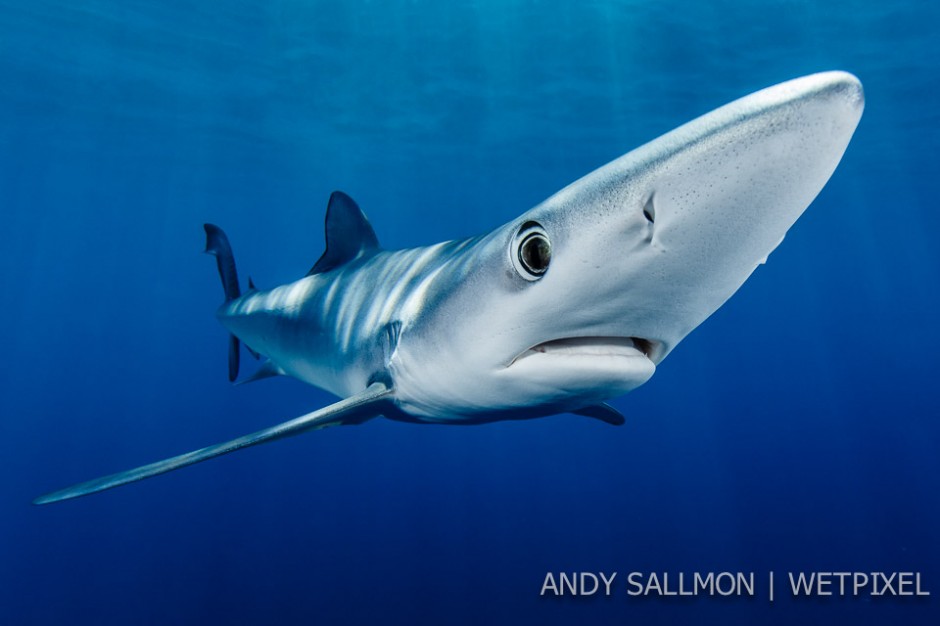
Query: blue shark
[(569, 305)]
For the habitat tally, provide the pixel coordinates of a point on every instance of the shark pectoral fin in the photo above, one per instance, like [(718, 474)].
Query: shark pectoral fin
[(267, 370), (353, 410), (603, 412)]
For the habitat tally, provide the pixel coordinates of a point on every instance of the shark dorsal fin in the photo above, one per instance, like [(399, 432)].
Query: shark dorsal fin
[(348, 234)]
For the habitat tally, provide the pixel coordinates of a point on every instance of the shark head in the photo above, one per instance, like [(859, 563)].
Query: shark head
[(580, 298)]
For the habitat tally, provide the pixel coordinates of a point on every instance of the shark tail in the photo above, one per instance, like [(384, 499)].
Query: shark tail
[(218, 246)]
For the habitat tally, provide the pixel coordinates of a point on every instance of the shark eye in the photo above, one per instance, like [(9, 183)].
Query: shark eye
[(535, 253), (531, 251)]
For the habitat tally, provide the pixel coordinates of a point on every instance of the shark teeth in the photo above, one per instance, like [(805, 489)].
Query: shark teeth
[(596, 346)]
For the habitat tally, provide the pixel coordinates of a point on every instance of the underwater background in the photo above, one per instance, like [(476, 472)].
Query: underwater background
[(795, 430)]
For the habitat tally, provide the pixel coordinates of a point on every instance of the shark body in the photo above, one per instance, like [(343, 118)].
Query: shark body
[(572, 303)]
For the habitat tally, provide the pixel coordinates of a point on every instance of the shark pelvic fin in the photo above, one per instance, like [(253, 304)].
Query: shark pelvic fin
[(267, 370), (348, 234), (353, 410), (603, 412), (233, 357), (252, 351)]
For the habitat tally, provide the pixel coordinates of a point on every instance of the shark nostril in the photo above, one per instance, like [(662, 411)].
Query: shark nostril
[(649, 212)]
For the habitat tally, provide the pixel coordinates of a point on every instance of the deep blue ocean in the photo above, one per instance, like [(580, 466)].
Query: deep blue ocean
[(795, 430)]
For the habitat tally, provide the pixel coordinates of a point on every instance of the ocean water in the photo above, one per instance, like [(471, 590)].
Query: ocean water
[(795, 430)]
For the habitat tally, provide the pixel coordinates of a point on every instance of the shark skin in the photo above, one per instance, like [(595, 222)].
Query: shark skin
[(573, 303)]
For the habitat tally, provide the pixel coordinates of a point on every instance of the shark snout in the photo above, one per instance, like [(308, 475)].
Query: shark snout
[(730, 184), (842, 90), (654, 242)]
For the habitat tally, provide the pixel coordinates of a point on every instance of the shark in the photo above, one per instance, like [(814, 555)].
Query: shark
[(571, 304)]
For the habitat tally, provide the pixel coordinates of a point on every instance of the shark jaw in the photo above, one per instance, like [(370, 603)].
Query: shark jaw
[(598, 347), (628, 359), (574, 366)]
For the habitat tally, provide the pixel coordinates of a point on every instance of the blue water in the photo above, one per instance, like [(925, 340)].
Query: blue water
[(797, 429)]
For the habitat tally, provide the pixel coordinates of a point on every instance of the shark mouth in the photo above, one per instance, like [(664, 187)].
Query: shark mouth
[(597, 346)]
